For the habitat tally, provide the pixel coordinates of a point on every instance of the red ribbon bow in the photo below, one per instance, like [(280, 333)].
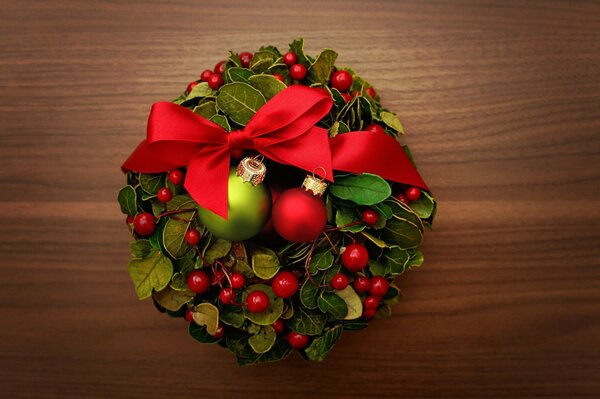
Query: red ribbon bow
[(283, 130)]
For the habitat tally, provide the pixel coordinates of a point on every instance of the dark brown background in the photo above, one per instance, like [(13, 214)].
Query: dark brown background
[(501, 101)]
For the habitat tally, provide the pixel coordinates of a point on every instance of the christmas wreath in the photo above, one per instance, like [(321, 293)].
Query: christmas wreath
[(264, 263)]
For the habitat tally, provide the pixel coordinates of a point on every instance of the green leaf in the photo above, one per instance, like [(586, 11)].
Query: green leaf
[(206, 314), (151, 183), (396, 261), (222, 121), (217, 250), (140, 249), (392, 121), (309, 293), (150, 273), (206, 110), (401, 232), (128, 200), (174, 234), (200, 90), (321, 346), (424, 206), (353, 302), (268, 85), (178, 281), (365, 189), (380, 243), (320, 70), (280, 351), (262, 60), (265, 263), (272, 313), (345, 216), (173, 300), (306, 321), (321, 260), (403, 211), (376, 268), (240, 101), (333, 304), (200, 334), (355, 325), (297, 47), (236, 74), (264, 340), (234, 319)]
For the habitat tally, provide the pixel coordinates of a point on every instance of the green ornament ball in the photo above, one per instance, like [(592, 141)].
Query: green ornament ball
[(249, 208)]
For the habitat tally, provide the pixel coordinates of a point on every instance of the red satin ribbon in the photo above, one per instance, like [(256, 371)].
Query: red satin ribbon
[(282, 130)]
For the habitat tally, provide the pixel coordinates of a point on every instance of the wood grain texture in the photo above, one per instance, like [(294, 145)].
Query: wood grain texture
[(501, 101)]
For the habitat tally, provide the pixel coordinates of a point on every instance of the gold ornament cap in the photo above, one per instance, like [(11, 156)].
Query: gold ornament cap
[(252, 170), (315, 185)]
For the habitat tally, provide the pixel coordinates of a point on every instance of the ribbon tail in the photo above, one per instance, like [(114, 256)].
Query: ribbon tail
[(207, 180), (145, 161), (309, 151), (376, 153)]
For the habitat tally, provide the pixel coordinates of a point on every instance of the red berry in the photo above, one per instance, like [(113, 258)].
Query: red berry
[(191, 86), (205, 75), (176, 176), (237, 280), (362, 284), (290, 58), (298, 71), (129, 220), (413, 194), (215, 81), (355, 94), (371, 302), (278, 326), (355, 257), (226, 295), (220, 67), (164, 195), (379, 286), (371, 92), (374, 128), (220, 332), (402, 198), (347, 97), (278, 77), (257, 301), (339, 281), (192, 236), (298, 341), (144, 224), (369, 313), (246, 58), (218, 275), (189, 315), (285, 284), (198, 281), (370, 217), (341, 80)]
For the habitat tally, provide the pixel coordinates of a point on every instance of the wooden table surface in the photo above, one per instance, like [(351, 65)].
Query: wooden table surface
[(502, 104)]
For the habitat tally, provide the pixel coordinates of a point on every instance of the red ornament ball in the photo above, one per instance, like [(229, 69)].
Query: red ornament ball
[(341, 80), (298, 341), (355, 257), (257, 301), (176, 177), (362, 284), (413, 194), (220, 67), (339, 281), (207, 73), (215, 81), (299, 216), (370, 217), (379, 286), (246, 59), (290, 58), (144, 224), (164, 195), (374, 128), (298, 71), (238, 280), (192, 237), (284, 284), (198, 281)]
